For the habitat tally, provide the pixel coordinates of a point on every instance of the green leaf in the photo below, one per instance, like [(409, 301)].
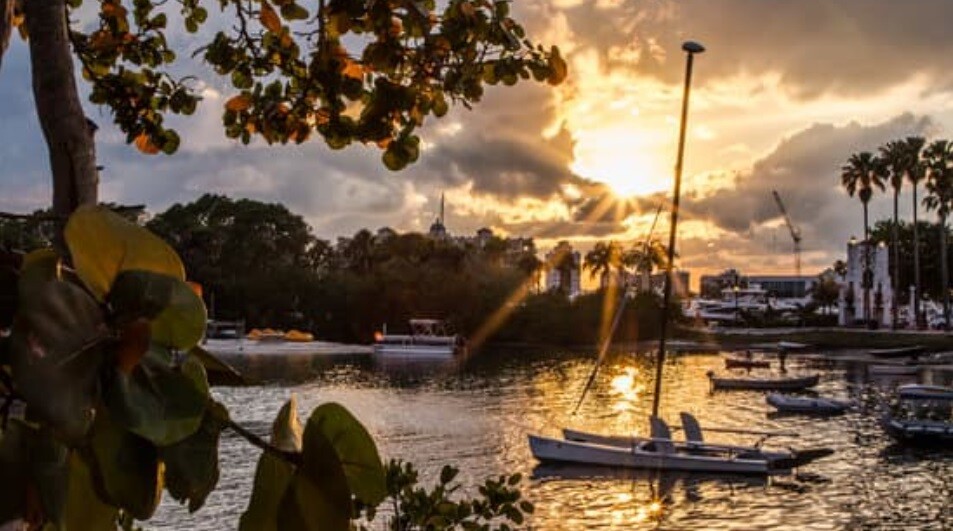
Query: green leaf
[(39, 267), (191, 465), (273, 474), (14, 468), (181, 324), (218, 372), (126, 468), (55, 345), (159, 401), (307, 506), (49, 470), (337, 445), (292, 11), (103, 243), (84, 510)]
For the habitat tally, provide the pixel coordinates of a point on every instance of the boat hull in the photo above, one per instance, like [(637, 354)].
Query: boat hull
[(901, 352), (550, 450), (793, 404), (415, 351), (764, 384), (918, 432), (624, 441)]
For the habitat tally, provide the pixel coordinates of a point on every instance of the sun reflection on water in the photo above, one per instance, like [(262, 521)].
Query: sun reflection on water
[(627, 389)]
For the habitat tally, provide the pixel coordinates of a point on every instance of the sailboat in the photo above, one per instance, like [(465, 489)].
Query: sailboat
[(660, 451)]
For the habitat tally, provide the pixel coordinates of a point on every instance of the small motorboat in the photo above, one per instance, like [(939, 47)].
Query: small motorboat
[(801, 404), (796, 383), (899, 352), (746, 363), (922, 415)]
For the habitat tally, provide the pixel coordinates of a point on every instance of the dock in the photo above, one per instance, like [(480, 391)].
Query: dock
[(243, 348)]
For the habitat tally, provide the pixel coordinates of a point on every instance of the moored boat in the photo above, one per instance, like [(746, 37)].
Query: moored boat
[(922, 415), (773, 384), (745, 363), (899, 352), (429, 339), (801, 404), (893, 370)]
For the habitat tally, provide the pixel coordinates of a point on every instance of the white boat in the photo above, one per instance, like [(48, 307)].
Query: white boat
[(658, 452), (893, 370), (733, 302), (429, 339), (801, 404), (922, 415)]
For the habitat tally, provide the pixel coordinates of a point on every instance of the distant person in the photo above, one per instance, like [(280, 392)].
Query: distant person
[(782, 356)]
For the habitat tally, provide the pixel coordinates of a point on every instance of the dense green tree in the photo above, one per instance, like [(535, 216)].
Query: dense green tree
[(862, 173), (895, 157), (939, 161), (915, 172), (929, 235)]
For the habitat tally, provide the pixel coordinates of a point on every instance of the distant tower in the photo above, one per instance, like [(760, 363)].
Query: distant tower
[(438, 229)]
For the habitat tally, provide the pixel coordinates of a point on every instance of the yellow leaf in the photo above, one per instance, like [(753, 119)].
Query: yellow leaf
[(269, 18), (238, 103), (145, 145)]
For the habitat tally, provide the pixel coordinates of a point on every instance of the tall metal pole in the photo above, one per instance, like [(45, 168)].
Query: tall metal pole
[(691, 48)]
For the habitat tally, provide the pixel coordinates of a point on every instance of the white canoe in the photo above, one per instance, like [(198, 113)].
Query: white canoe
[(654, 455), (696, 447), (800, 404)]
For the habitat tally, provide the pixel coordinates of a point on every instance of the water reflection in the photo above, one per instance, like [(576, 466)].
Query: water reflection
[(477, 416)]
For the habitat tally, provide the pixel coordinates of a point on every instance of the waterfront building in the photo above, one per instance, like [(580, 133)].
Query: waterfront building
[(776, 286), (564, 270), (881, 293)]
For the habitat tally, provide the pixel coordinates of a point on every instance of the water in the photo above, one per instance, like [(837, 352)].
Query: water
[(477, 418)]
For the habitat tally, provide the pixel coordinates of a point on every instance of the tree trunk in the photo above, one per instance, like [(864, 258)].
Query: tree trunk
[(863, 280), (6, 26), (944, 273), (916, 263), (896, 260), (69, 135)]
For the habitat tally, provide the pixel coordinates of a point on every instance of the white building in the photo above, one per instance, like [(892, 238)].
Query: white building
[(853, 308), (564, 270)]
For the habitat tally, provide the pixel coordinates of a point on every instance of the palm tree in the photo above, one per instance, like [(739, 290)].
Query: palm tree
[(894, 156), (915, 171), (860, 175), (644, 257), (602, 259), (939, 162)]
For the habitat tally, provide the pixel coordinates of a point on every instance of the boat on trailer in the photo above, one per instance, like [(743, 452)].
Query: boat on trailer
[(803, 404), (922, 415), (429, 339), (796, 383), (899, 352)]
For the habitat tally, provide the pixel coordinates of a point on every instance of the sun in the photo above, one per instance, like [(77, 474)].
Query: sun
[(624, 161)]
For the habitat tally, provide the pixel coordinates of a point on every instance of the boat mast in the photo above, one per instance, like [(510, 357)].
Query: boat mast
[(691, 48)]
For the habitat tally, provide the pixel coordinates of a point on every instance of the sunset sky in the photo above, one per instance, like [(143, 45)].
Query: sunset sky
[(784, 94)]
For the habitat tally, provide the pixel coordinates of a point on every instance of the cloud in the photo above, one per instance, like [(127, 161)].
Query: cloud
[(805, 170)]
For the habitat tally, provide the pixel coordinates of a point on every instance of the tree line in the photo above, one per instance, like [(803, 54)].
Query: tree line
[(897, 163)]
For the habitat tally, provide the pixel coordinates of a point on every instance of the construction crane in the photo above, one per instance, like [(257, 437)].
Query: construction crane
[(795, 232)]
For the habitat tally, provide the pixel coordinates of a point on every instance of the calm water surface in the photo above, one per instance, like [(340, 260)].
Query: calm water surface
[(477, 418)]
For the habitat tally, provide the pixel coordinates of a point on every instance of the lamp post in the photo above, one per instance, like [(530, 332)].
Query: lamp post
[(690, 48)]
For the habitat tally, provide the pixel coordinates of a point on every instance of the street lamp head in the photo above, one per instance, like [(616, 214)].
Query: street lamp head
[(692, 47)]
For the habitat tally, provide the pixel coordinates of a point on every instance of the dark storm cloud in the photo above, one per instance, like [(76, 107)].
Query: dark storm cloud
[(850, 48), (564, 229), (805, 170)]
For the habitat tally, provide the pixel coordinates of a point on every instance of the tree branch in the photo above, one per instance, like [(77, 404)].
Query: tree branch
[(291, 457)]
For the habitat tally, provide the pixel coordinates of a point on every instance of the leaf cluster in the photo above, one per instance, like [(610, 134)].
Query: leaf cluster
[(499, 504), (348, 70), (103, 359)]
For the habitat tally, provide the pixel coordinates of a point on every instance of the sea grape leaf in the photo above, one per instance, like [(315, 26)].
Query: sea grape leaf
[(334, 439), (218, 372), (176, 312), (84, 510), (14, 468), (307, 507), (39, 267), (56, 346), (158, 400), (103, 244), (273, 474), (126, 468), (191, 465), (49, 471), (181, 324)]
